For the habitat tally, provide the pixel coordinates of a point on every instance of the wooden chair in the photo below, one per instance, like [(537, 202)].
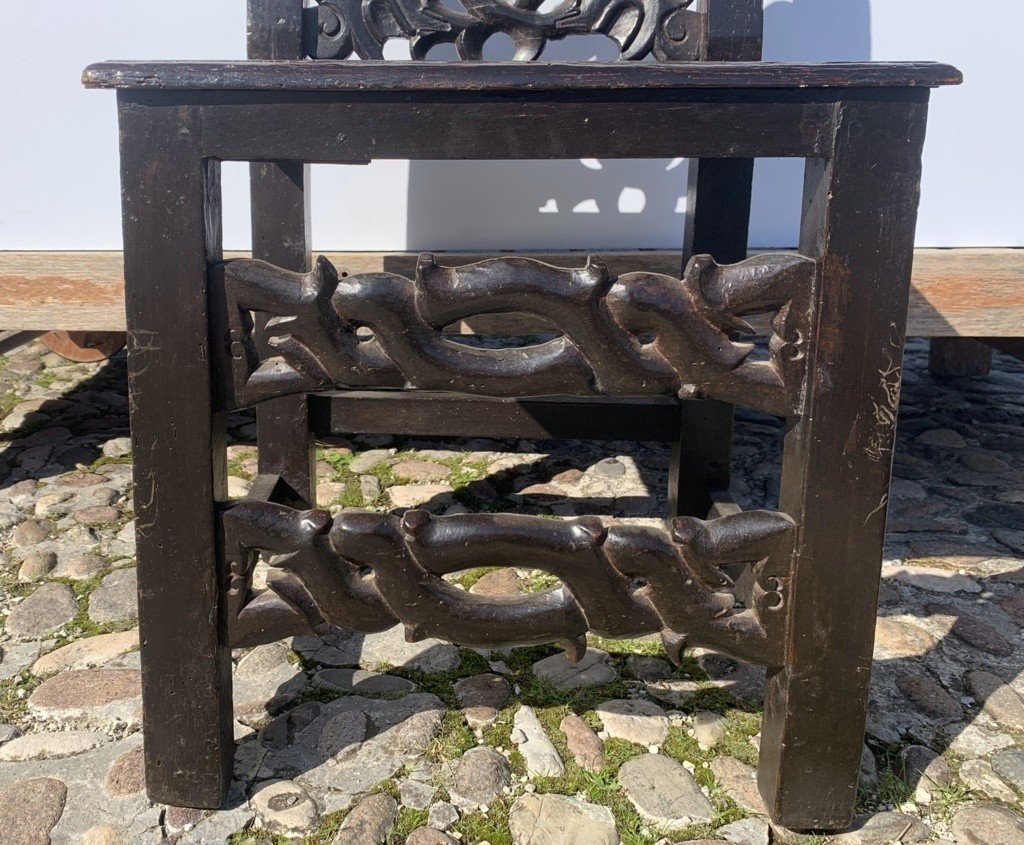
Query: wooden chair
[(218, 335), (719, 199)]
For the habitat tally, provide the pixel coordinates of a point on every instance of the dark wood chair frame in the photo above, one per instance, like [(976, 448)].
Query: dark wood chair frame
[(719, 197), (207, 336)]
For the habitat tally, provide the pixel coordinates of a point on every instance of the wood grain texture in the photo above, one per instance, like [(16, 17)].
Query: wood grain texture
[(956, 292), (518, 77)]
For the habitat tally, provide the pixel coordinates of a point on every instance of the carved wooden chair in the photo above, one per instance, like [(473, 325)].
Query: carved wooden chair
[(719, 201), (209, 336)]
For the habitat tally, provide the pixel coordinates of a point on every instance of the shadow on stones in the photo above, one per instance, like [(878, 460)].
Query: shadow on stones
[(949, 638), (94, 411), (950, 613)]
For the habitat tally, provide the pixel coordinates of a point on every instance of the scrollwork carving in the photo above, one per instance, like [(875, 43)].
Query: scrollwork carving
[(337, 29), (367, 571), (634, 335)]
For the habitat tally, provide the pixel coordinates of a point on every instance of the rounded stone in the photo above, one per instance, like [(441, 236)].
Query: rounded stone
[(368, 822), (127, 774), (37, 565), (745, 832), (84, 654), (484, 690), (117, 447), (739, 781), (29, 533), (663, 792), (499, 582), (973, 631), (104, 834), (86, 688), (929, 697), (97, 515), (47, 609), (366, 461), (649, 669), (709, 729), (987, 824), (50, 745), (429, 836), (896, 639), (884, 827), (1009, 765), (390, 648), (635, 720), (584, 745), (997, 698), (926, 771), (593, 670), (29, 810), (942, 438), (933, 580), (284, 807), (980, 777), (83, 567), (609, 468), (341, 735), (362, 682), (420, 471), (553, 819), (477, 778), (116, 598)]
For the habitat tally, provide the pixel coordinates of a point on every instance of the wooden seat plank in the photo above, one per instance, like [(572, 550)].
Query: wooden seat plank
[(519, 77)]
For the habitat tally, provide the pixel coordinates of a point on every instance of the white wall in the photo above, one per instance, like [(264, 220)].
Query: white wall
[(58, 142)]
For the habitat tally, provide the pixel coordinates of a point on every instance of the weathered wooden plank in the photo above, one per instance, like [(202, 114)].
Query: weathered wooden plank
[(414, 414), (956, 292), (519, 77)]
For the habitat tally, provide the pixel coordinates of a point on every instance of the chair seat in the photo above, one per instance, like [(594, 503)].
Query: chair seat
[(519, 77)]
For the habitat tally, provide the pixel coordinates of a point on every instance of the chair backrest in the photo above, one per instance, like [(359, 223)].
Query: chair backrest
[(665, 30)]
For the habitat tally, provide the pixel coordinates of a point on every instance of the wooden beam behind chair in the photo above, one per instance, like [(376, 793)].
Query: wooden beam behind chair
[(956, 292)]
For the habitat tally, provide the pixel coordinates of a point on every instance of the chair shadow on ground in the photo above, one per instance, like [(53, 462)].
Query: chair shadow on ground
[(90, 422)]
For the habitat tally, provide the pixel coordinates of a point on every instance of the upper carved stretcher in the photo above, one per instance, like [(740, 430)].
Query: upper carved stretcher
[(638, 334)]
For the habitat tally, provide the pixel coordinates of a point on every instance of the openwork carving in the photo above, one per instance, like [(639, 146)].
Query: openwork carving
[(367, 571), (638, 334), (335, 29)]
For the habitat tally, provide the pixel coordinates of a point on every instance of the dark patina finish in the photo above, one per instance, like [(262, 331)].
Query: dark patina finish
[(794, 589), (635, 335)]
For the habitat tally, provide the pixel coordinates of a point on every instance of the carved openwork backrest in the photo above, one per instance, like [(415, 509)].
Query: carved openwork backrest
[(665, 30)]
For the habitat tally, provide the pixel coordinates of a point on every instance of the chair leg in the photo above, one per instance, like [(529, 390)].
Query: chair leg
[(280, 235), (837, 461), (171, 223), (700, 458), (719, 197)]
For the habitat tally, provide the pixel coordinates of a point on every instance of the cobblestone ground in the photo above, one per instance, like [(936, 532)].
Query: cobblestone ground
[(370, 740)]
